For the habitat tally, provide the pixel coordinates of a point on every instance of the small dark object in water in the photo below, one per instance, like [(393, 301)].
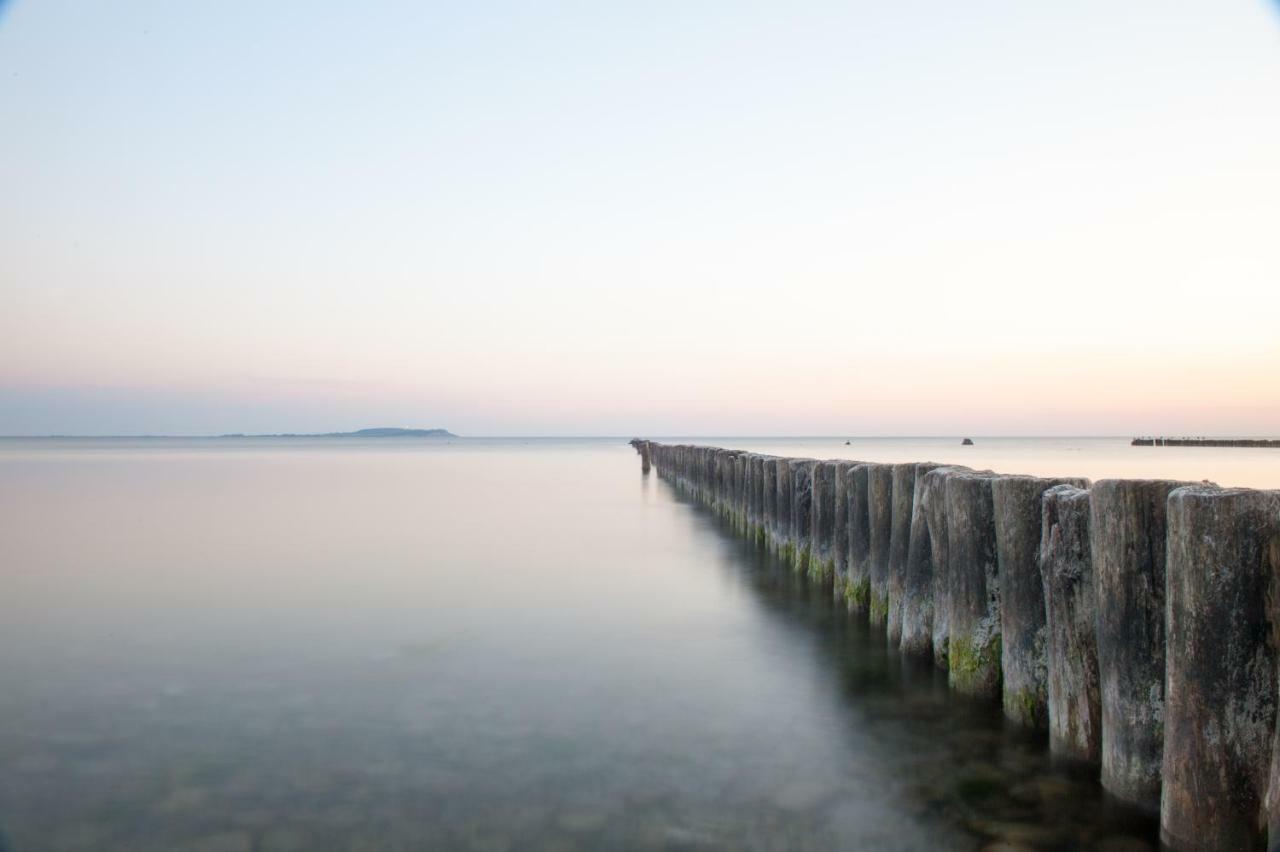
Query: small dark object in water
[(967, 442), (846, 443)]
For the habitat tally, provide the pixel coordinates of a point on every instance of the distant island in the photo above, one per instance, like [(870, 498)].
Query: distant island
[(378, 432)]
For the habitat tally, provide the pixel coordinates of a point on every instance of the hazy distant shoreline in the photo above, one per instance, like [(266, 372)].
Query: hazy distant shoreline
[(378, 432)]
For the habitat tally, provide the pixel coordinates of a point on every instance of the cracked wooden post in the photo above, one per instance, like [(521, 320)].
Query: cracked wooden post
[(1127, 524), (840, 531), (1073, 696), (880, 529), (755, 510), (822, 566), (918, 604), (858, 584), (934, 506), (769, 500), (733, 492), (716, 482), (782, 522), (1220, 698), (902, 508), (801, 513), (742, 501), (728, 489), (1019, 516), (729, 495), (697, 474), (974, 649)]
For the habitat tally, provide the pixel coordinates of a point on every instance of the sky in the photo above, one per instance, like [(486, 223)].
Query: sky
[(744, 218)]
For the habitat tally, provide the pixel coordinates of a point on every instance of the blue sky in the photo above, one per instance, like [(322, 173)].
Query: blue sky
[(513, 218)]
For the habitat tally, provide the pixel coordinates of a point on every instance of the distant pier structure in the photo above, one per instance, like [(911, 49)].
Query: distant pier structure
[(1206, 442)]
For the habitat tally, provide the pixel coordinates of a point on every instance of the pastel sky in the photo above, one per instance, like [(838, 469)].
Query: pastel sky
[(918, 217)]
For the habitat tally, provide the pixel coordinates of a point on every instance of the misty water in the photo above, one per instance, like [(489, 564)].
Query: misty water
[(482, 644)]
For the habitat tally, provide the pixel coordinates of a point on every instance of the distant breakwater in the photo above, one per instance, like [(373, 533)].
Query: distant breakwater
[(1136, 621), (1205, 442)]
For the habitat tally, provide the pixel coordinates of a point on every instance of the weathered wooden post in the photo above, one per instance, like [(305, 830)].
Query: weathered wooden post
[(822, 558), (858, 585), (769, 499), (918, 604), (643, 448), (880, 528), (1127, 524), (1073, 695), (755, 513), (934, 506), (717, 475), (902, 510), (1220, 697), (717, 478), (782, 528), (740, 490), (840, 531), (801, 513), (1019, 518), (697, 473), (730, 495), (974, 649)]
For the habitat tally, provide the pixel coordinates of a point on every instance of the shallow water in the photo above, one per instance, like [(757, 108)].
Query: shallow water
[(481, 644)]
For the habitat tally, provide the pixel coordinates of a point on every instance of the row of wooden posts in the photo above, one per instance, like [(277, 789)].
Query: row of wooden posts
[(1135, 620)]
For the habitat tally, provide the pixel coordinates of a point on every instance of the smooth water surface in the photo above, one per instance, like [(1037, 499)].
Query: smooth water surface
[(478, 644)]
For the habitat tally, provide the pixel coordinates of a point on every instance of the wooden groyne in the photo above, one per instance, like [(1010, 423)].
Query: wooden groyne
[(1205, 442), (1136, 621)]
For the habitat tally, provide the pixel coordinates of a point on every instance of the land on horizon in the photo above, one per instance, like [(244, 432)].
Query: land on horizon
[(376, 432)]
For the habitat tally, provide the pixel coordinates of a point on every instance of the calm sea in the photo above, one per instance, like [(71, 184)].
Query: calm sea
[(482, 644)]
